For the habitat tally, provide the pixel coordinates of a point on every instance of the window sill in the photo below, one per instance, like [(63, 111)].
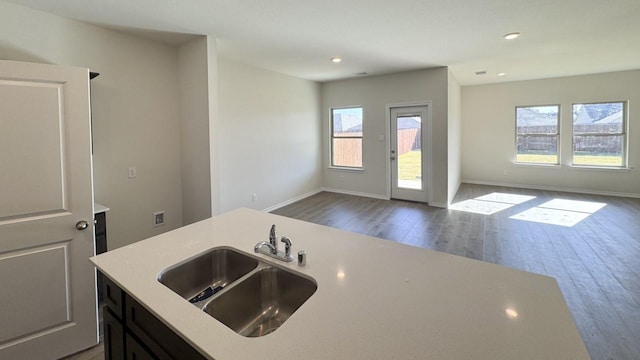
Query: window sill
[(573, 167), (600, 168), (546, 166), (346, 168)]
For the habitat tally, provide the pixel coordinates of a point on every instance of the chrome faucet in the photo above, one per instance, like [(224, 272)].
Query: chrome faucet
[(273, 239), (287, 246), (270, 248), (259, 248)]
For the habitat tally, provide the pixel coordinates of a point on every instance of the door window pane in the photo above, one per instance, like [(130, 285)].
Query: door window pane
[(409, 147)]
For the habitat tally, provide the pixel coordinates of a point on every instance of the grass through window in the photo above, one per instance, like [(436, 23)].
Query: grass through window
[(409, 165)]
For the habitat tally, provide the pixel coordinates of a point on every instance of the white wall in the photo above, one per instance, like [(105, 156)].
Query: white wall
[(135, 113), (374, 94), (268, 135), (194, 113), (488, 137), (454, 144), (214, 124)]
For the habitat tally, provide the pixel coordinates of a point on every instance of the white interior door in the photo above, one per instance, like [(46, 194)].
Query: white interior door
[(47, 285), (409, 157)]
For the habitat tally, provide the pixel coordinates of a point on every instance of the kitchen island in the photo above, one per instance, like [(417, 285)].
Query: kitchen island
[(375, 299)]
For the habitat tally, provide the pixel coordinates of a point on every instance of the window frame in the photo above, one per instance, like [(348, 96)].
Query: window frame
[(624, 132), (557, 135), (333, 137)]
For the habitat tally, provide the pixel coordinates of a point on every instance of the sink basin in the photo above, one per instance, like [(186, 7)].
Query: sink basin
[(214, 269), (248, 295), (262, 302)]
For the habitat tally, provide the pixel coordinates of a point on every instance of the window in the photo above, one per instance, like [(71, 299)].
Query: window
[(537, 133), (599, 134), (346, 137)]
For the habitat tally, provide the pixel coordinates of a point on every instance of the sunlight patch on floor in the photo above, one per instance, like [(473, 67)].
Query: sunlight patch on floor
[(560, 212), (480, 206), (551, 216), (573, 205), (490, 203), (506, 198)]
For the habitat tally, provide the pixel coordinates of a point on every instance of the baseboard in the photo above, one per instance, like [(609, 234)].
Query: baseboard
[(439, 204), (376, 196), (552, 188), (356, 193), (291, 201), (341, 191)]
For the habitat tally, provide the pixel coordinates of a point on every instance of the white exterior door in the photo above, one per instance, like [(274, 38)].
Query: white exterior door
[(409, 153), (47, 284)]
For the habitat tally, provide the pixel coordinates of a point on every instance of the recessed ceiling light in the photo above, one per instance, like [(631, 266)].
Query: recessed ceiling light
[(502, 74), (336, 59), (511, 36), (511, 313)]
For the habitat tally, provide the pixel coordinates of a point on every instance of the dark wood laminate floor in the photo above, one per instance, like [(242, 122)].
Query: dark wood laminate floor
[(596, 262), (94, 353)]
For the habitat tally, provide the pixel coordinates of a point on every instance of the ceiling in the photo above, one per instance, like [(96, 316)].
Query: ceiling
[(299, 37)]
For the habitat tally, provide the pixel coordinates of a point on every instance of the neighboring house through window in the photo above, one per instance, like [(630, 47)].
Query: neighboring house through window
[(346, 137), (599, 134)]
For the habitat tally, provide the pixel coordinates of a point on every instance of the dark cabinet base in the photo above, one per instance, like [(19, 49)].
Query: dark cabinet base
[(135, 351), (113, 336), (100, 230), (100, 222), (131, 332)]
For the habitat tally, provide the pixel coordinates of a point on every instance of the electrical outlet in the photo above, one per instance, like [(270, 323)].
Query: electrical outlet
[(132, 172), (254, 197), (158, 218)]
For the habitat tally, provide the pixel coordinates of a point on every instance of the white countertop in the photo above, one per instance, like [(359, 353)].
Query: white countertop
[(391, 301), (98, 208)]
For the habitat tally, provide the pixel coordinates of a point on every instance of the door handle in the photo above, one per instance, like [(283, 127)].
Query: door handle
[(81, 225)]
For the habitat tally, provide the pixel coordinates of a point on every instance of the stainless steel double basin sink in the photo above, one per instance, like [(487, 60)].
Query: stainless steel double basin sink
[(247, 294)]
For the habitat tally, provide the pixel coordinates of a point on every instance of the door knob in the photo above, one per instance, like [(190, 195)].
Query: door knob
[(81, 225)]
